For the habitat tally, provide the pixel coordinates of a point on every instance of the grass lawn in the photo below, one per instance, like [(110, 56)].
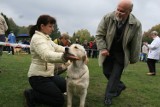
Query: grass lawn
[(141, 91)]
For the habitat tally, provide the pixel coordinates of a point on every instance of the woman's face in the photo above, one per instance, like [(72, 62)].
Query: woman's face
[(47, 29), (65, 42)]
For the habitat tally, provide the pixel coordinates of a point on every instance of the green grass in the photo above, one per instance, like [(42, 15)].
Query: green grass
[(141, 91)]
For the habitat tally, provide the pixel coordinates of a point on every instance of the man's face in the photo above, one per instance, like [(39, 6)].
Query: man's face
[(122, 13)]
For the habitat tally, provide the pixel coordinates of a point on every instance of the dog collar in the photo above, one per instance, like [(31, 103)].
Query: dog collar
[(75, 78)]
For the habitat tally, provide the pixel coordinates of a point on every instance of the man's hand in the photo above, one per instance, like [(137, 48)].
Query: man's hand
[(104, 52)]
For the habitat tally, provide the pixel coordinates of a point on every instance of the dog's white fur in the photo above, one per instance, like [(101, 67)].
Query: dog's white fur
[(77, 75)]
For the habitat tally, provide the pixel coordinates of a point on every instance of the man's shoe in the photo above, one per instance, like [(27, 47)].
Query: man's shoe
[(119, 91), (151, 73), (28, 98), (108, 101)]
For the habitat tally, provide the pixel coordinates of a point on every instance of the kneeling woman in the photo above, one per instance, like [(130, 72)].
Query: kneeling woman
[(46, 88)]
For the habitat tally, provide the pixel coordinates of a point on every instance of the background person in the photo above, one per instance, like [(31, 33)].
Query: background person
[(90, 52), (118, 39), (77, 41), (3, 29), (144, 53), (47, 88), (11, 39), (86, 47), (26, 42), (63, 40), (154, 53), (94, 49)]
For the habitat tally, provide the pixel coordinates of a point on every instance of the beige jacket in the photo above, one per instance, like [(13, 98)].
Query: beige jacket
[(3, 25), (44, 54)]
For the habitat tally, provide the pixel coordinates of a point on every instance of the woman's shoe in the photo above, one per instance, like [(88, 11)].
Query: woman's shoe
[(28, 98)]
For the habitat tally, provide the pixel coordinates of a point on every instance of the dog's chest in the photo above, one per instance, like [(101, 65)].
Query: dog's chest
[(76, 72), (77, 76), (77, 86)]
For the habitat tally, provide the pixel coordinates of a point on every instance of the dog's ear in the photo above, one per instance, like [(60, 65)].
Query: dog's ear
[(85, 59)]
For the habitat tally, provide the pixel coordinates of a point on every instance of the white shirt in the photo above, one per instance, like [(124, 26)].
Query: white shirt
[(145, 49), (154, 49)]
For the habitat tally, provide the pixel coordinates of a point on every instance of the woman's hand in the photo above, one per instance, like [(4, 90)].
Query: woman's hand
[(67, 56)]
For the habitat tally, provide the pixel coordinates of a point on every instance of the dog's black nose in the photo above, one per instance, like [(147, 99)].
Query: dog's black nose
[(66, 50)]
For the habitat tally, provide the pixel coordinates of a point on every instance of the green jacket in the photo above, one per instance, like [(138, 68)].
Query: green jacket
[(131, 40)]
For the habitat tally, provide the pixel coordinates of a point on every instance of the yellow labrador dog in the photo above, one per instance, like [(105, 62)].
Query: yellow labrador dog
[(77, 75)]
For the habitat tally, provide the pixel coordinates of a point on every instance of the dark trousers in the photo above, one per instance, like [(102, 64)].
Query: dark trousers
[(10, 48), (94, 55), (151, 65), (2, 39), (112, 70), (89, 52), (48, 90)]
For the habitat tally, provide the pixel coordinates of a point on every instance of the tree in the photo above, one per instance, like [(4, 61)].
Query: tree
[(82, 35), (23, 30), (56, 33), (13, 26), (146, 37)]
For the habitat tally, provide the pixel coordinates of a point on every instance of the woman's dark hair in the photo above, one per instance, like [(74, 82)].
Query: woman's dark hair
[(43, 19)]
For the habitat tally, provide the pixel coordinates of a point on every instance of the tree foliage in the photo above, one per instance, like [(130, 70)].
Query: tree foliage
[(82, 35), (56, 33), (146, 37), (13, 26)]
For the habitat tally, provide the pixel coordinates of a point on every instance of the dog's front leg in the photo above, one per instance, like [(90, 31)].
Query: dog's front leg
[(82, 99), (69, 99)]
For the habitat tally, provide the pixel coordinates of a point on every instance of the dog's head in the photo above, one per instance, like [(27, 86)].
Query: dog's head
[(79, 51)]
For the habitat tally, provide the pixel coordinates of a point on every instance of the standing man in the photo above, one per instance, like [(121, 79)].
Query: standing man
[(11, 39), (118, 39), (3, 29), (154, 53)]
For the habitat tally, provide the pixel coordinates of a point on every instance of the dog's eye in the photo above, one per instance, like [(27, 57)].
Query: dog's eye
[(76, 47)]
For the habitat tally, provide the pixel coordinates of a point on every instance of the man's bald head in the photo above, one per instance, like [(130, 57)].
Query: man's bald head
[(124, 9), (126, 4)]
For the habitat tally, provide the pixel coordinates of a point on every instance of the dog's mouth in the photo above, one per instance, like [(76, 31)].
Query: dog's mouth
[(74, 57)]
